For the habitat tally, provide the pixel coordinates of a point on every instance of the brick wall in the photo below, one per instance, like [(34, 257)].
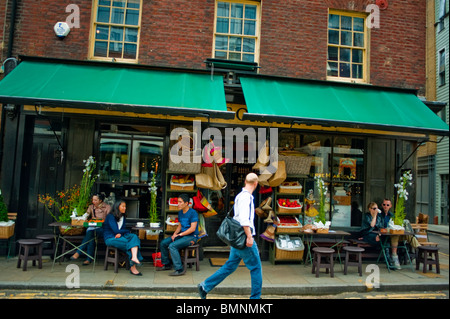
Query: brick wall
[(179, 33)]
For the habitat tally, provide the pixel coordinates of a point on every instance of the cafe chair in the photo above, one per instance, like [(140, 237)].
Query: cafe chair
[(353, 251), (327, 254), (116, 257), (29, 249), (191, 257), (425, 256)]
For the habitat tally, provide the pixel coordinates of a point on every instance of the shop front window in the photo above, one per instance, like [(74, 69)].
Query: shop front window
[(339, 161), (128, 158)]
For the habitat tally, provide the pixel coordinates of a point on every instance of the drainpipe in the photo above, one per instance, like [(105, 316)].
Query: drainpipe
[(12, 27)]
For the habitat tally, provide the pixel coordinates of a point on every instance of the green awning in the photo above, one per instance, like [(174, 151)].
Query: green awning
[(333, 104), (114, 87)]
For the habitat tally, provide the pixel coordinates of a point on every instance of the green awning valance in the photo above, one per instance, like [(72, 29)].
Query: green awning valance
[(332, 104), (113, 87)]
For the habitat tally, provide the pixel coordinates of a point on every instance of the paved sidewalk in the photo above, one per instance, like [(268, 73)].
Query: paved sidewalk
[(280, 279)]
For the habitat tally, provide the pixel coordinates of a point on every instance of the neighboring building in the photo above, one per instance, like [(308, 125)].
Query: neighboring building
[(442, 88), (332, 76)]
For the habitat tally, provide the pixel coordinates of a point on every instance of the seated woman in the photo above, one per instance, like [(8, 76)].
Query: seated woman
[(97, 210), (185, 235), (116, 235), (371, 223)]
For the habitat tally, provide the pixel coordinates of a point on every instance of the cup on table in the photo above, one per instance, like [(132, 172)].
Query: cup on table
[(140, 224)]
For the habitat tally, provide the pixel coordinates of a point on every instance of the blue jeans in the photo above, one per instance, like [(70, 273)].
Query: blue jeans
[(250, 255), (174, 247), (125, 243), (89, 241)]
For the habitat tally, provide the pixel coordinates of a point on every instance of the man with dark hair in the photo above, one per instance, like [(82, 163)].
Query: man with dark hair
[(185, 235)]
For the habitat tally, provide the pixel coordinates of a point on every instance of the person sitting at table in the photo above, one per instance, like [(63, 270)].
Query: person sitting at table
[(185, 235), (371, 223), (116, 235), (386, 216), (97, 210)]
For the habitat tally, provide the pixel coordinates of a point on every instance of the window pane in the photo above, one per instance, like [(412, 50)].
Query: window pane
[(131, 34), (236, 26), (237, 10), (332, 69), (220, 55), (346, 38), (116, 34), (115, 50), (250, 27), (344, 70), (222, 25), (346, 23), (102, 32), (103, 14), (133, 4), (117, 16), (250, 12), (119, 3), (248, 57), (235, 56), (333, 53), (249, 45), (223, 9), (104, 2), (333, 37), (358, 24), (129, 51), (358, 39), (333, 21), (221, 43), (132, 17), (357, 56), (357, 71), (344, 55), (101, 49), (235, 44)]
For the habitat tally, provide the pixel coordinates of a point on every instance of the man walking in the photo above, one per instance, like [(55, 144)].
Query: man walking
[(244, 213)]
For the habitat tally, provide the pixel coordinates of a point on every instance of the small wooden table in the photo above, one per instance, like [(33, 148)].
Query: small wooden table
[(337, 238), (385, 243)]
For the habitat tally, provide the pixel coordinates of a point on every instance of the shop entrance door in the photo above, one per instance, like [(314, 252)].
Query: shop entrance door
[(46, 176)]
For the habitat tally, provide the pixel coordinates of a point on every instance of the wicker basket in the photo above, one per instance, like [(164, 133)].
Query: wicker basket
[(289, 210), (78, 222), (286, 254), (7, 231), (288, 228), (322, 230), (296, 164), (397, 231), (287, 189), (185, 168), (71, 231)]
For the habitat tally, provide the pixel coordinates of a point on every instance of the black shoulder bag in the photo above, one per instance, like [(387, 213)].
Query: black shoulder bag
[(231, 232)]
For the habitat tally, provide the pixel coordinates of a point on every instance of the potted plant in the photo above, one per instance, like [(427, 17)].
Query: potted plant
[(402, 196), (153, 207), (6, 225), (321, 217), (84, 198)]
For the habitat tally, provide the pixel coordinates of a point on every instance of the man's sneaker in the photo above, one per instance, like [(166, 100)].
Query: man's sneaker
[(177, 273), (202, 293), (165, 267), (396, 262)]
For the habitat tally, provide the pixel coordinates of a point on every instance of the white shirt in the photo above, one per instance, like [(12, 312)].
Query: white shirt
[(120, 222), (244, 209)]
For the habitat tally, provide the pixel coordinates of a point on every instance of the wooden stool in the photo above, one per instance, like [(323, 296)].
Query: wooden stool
[(327, 253), (191, 257), (50, 239), (357, 251), (112, 255), (26, 245), (425, 256)]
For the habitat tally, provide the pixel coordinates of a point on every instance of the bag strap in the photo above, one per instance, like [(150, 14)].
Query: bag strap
[(249, 211)]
